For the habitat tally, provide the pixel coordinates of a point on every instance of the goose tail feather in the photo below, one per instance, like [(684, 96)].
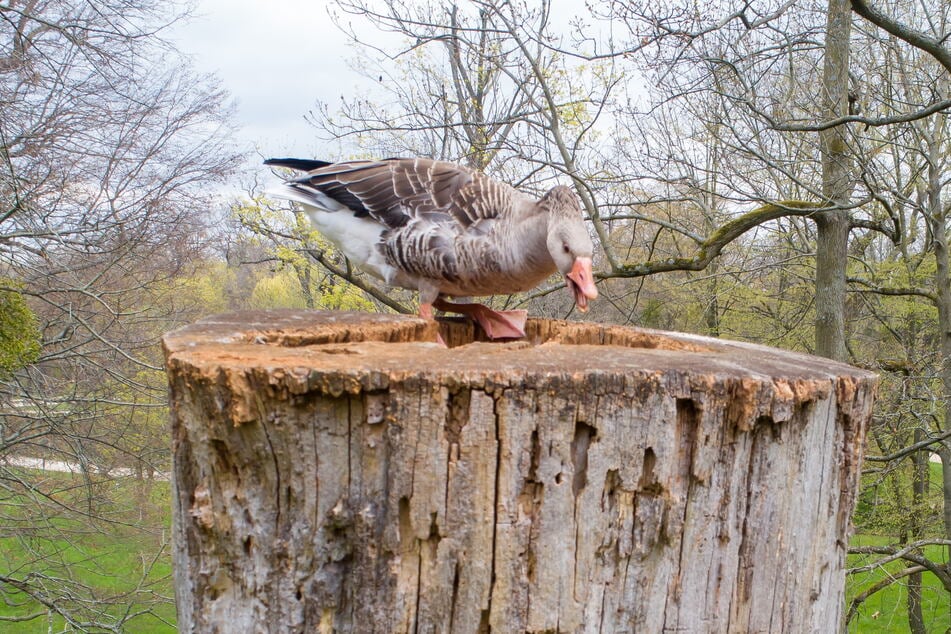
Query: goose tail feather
[(304, 165), (308, 197)]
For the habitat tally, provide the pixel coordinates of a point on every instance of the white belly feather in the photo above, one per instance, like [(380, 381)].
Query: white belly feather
[(357, 238)]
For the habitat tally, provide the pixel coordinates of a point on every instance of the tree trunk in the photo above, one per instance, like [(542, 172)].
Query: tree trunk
[(916, 620), (837, 184), (920, 480), (338, 472), (938, 217)]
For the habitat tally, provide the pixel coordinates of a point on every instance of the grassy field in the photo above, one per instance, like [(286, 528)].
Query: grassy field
[(115, 561), (111, 571), (887, 611)]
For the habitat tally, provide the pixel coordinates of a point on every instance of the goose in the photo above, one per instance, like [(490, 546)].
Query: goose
[(445, 230)]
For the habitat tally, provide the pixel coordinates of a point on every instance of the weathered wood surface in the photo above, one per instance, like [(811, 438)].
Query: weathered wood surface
[(336, 472)]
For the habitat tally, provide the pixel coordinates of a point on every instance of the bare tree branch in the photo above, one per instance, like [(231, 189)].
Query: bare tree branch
[(711, 247), (357, 281), (109, 145), (888, 580), (871, 287), (908, 553), (910, 449), (916, 115), (933, 46)]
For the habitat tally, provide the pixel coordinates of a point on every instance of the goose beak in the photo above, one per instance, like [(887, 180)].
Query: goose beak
[(581, 283)]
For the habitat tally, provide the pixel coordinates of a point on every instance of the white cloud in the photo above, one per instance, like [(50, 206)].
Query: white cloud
[(277, 59)]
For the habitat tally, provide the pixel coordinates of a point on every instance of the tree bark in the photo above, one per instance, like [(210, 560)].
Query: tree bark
[(837, 184), (920, 477), (338, 472), (938, 219)]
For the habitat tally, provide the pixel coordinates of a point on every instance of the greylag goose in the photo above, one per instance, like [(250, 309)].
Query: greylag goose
[(446, 230)]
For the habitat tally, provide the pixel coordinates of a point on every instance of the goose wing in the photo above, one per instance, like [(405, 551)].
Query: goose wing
[(395, 192)]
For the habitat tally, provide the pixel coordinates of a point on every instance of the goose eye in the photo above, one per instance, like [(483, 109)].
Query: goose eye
[(566, 248)]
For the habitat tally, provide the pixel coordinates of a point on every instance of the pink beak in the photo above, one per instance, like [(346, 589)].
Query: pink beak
[(581, 283)]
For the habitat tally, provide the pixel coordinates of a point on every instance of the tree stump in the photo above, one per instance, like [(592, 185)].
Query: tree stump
[(339, 472)]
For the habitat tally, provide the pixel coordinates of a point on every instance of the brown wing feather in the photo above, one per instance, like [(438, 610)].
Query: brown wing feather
[(482, 199), (394, 191)]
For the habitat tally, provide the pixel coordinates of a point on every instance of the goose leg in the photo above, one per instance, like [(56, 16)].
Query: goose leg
[(426, 312), (497, 324)]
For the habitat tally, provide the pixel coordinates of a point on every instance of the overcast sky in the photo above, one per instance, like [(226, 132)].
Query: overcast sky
[(276, 59)]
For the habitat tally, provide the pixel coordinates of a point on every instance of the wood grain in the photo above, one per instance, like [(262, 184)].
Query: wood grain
[(338, 472)]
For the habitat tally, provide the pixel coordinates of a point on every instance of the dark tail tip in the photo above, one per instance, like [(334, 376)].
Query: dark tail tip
[(304, 165)]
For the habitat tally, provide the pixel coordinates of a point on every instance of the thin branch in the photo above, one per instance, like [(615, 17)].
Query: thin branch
[(21, 619), (872, 225), (927, 111), (724, 235), (908, 554), (919, 40), (892, 291), (876, 587), (901, 453), (359, 283), (696, 237)]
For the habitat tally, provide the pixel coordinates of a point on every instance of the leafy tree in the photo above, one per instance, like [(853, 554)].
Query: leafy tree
[(305, 268), (19, 333), (108, 144)]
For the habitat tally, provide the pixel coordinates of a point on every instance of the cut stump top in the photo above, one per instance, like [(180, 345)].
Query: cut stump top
[(349, 352)]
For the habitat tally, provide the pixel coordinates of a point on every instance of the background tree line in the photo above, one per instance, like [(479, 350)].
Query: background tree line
[(774, 172)]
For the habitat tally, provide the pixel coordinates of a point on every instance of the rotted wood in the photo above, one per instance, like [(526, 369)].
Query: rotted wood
[(340, 472)]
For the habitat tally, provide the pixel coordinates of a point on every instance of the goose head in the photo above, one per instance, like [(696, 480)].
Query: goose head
[(569, 244)]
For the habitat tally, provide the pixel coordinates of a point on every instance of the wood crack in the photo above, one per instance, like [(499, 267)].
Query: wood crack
[(436, 528), (485, 626), (277, 473)]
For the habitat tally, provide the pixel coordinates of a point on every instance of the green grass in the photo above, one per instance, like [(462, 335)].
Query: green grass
[(887, 610), (112, 569), (878, 514)]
